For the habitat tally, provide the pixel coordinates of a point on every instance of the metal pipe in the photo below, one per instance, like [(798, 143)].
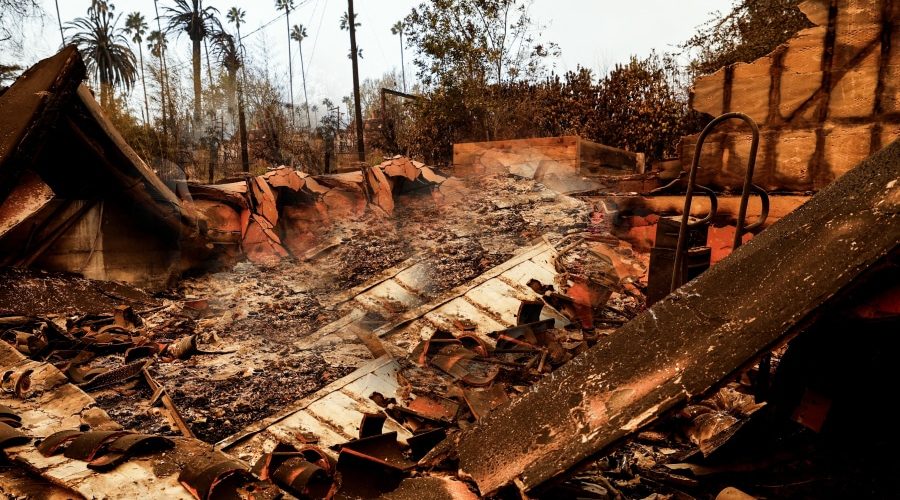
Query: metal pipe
[(692, 180)]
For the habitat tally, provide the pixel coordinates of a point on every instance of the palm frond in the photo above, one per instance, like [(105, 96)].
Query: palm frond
[(104, 46), (191, 19)]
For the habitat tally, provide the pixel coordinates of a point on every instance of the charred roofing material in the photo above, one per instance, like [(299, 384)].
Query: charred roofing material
[(689, 342), (51, 120)]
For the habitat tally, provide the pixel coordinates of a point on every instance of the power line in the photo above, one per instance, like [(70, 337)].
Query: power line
[(312, 16), (318, 30), (266, 25)]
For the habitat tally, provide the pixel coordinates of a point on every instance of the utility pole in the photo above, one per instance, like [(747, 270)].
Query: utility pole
[(360, 145), (59, 20)]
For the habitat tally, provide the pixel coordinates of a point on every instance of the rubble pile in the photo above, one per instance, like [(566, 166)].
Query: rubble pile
[(395, 332), (285, 212)]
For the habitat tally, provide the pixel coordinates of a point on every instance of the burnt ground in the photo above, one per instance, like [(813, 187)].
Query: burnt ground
[(262, 313), (33, 292)]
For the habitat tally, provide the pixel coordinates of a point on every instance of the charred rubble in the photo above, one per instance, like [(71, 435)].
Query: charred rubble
[(546, 318)]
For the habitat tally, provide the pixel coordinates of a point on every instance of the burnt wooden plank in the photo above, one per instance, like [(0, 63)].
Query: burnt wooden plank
[(695, 338), (31, 107)]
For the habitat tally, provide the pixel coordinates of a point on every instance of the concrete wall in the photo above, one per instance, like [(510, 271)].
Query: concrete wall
[(825, 100)]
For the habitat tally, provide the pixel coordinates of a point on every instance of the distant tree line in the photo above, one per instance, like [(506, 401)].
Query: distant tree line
[(483, 70), (483, 73)]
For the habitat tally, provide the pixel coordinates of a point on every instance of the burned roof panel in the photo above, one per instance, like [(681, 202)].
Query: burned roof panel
[(696, 337), (31, 108), (88, 157)]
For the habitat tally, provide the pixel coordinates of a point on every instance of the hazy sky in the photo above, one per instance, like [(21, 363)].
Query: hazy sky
[(591, 33)]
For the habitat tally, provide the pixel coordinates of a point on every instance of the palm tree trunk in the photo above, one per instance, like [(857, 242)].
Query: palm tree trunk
[(402, 64), (360, 141), (242, 117), (162, 80), (195, 56), (303, 74), (144, 86), (287, 17), (164, 101), (104, 95), (242, 124)]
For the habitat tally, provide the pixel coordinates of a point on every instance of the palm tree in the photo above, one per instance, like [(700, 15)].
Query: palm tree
[(315, 110), (236, 17), (135, 25), (231, 57), (157, 45), (198, 23), (397, 29), (298, 34), (288, 5), (104, 48)]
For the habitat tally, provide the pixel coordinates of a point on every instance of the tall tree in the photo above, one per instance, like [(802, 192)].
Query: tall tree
[(230, 55), (160, 45), (104, 48), (348, 102), (156, 44), (136, 27), (287, 6), (349, 23), (198, 23), (235, 16), (397, 29), (298, 34), (485, 41)]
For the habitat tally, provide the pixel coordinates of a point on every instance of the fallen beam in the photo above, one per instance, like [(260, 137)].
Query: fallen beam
[(689, 342)]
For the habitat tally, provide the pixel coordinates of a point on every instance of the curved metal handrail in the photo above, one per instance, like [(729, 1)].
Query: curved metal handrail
[(745, 193), (713, 200)]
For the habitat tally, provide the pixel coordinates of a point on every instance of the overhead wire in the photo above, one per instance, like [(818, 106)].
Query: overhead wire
[(318, 30), (266, 25)]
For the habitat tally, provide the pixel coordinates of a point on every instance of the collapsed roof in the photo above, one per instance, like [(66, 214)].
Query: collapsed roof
[(704, 332), (53, 126), (74, 196)]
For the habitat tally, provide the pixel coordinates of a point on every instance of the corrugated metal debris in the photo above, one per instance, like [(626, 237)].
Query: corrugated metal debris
[(397, 332)]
